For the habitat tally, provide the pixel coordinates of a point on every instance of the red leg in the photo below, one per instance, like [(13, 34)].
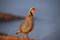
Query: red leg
[(26, 35)]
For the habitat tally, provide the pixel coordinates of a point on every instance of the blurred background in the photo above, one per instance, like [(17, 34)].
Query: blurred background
[(47, 18)]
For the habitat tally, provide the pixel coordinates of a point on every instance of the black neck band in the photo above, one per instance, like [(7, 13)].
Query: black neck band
[(31, 13)]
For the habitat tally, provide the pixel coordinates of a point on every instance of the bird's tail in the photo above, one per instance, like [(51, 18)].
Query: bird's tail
[(19, 31)]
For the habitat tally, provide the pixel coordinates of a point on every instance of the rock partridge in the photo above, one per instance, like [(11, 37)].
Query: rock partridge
[(27, 23)]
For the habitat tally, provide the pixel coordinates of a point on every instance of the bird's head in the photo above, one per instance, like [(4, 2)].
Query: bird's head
[(32, 10)]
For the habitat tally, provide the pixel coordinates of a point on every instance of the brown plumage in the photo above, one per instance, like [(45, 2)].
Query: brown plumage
[(27, 23)]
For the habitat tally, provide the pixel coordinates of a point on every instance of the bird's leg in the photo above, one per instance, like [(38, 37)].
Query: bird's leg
[(26, 35)]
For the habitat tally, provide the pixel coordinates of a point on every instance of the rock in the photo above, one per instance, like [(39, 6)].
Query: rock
[(14, 38)]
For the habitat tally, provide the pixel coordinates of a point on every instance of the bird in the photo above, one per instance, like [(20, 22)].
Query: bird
[(27, 23)]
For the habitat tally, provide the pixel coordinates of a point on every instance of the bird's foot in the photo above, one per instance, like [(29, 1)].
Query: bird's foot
[(26, 35)]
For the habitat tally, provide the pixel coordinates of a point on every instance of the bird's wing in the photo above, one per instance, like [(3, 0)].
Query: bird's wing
[(27, 26), (23, 21), (19, 29), (30, 26)]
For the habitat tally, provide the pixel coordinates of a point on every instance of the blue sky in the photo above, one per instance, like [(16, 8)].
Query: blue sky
[(47, 24)]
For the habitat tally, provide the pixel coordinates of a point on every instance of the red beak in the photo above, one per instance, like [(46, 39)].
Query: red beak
[(34, 9)]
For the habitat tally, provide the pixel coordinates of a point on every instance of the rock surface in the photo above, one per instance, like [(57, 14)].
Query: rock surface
[(14, 38)]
